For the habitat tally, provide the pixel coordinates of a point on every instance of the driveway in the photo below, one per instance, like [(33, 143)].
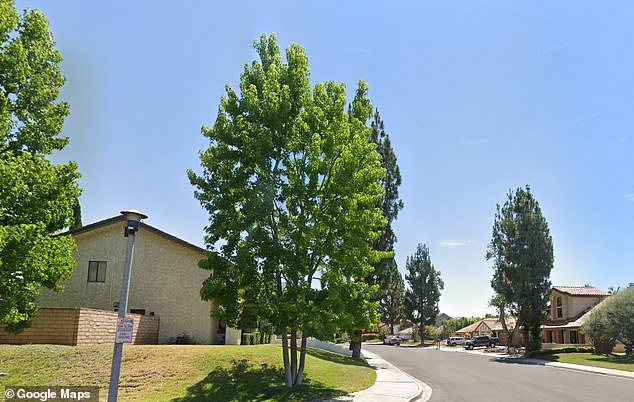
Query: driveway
[(460, 376)]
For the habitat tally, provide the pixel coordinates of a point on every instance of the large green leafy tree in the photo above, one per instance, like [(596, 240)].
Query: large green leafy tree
[(37, 197), (423, 295), (614, 321), (291, 183), (522, 253)]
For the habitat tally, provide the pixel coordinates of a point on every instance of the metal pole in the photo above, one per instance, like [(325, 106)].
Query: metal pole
[(123, 307)]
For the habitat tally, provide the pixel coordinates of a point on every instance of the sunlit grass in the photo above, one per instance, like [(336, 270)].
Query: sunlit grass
[(615, 362), (184, 372)]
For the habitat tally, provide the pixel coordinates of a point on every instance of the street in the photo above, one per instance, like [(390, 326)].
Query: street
[(459, 376)]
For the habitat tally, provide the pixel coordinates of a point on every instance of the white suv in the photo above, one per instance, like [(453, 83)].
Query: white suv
[(455, 340)]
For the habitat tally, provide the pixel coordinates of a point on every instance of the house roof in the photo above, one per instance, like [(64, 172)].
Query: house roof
[(492, 323), (145, 226), (581, 291)]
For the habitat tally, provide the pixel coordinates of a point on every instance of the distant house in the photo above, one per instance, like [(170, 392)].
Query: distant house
[(165, 280), (570, 307), (487, 326)]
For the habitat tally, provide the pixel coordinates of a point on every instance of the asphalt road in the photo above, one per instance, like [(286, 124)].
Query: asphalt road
[(458, 376)]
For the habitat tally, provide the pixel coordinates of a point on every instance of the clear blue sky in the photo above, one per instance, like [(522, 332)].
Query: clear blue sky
[(478, 98)]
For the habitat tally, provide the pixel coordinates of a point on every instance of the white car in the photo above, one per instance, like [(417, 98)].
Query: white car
[(392, 340), (455, 340)]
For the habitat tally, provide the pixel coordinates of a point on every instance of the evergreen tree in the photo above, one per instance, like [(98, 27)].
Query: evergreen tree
[(522, 253), (425, 284), (36, 196), (390, 205), (392, 296)]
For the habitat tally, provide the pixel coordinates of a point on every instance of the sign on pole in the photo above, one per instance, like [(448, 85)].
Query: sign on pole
[(125, 325)]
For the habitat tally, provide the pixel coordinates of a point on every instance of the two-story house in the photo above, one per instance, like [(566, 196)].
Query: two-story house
[(570, 307), (165, 280)]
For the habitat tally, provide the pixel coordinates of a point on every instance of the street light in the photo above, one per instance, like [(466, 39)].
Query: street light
[(133, 218)]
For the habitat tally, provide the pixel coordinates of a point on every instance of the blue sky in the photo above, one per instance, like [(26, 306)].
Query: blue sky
[(478, 98)]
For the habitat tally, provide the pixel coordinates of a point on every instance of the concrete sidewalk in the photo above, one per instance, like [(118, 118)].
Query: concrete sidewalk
[(392, 384)]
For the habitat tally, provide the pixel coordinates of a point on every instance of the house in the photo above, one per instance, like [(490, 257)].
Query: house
[(165, 280), (570, 307), (487, 326)]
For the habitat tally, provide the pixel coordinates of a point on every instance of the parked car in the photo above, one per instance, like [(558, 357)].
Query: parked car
[(455, 340), (483, 340), (392, 340)]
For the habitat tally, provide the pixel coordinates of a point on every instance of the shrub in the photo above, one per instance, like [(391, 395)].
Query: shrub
[(370, 337), (554, 351), (182, 339)]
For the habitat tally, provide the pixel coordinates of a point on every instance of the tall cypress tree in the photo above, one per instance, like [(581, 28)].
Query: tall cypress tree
[(425, 284), (390, 205), (522, 253)]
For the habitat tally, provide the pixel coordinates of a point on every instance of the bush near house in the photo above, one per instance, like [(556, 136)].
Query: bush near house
[(255, 338), (556, 351), (372, 337)]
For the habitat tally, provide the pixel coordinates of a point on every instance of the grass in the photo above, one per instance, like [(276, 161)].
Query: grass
[(184, 373), (616, 362)]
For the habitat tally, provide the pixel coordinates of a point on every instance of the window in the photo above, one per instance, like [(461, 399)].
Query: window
[(574, 337), (97, 271), (560, 308)]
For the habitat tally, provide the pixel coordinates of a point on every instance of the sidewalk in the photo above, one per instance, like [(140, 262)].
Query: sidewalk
[(392, 385)]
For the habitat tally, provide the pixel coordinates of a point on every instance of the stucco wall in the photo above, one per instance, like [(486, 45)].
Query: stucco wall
[(165, 280), (572, 305)]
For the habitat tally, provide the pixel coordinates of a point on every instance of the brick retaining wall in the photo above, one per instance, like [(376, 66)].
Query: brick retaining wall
[(81, 326)]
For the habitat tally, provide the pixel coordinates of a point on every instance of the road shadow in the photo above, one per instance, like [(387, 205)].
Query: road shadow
[(242, 381), (519, 360)]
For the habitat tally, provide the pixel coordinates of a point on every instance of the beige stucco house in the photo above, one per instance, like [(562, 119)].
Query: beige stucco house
[(570, 307), (165, 280)]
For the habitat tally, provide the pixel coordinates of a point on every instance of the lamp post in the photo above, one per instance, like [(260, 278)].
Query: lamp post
[(133, 218)]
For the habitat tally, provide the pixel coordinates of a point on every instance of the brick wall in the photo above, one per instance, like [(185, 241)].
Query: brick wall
[(81, 326)]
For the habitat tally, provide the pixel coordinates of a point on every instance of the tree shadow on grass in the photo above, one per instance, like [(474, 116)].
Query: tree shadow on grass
[(335, 357), (244, 382)]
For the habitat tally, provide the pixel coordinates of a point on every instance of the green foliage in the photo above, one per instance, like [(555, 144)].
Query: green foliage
[(291, 182), (37, 198), (182, 339), (522, 251), (450, 326), (432, 333), (613, 321), (425, 284), (554, 351), (372, 337), (392, 295), (255, 338)]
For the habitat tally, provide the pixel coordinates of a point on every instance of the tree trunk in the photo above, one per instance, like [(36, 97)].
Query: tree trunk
[(302, 359), (287, 365), (392, 328), (293, 355), (355, 343), (527, 340)]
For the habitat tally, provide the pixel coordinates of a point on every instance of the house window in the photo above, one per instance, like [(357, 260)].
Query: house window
[(560, 308), (97, 271), (574, 337)]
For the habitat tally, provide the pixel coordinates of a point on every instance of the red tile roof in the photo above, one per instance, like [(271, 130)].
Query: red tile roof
[(581, 290)]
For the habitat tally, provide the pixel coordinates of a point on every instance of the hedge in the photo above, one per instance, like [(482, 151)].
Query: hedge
[(255, 338)]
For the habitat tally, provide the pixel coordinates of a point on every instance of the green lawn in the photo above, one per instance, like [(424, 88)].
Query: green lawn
[(184, 373), (615, 362)]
